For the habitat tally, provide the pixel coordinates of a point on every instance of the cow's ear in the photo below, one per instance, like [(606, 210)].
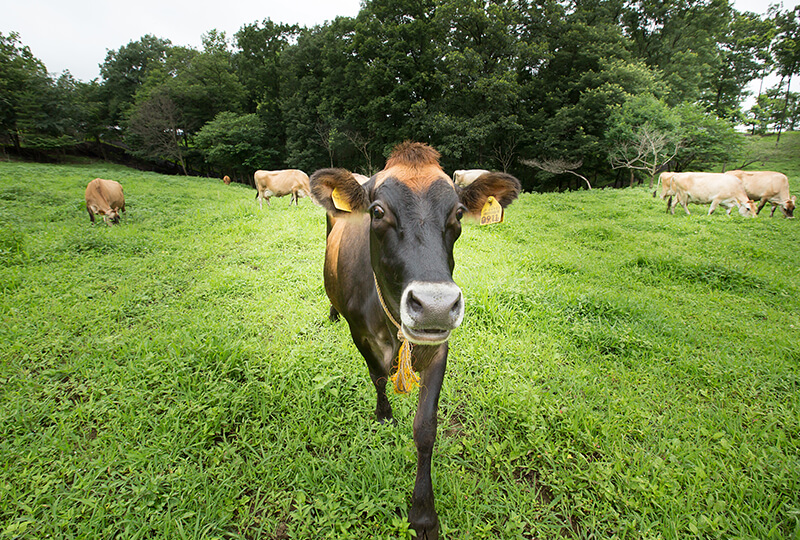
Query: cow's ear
[(338, 192), (503, 187)]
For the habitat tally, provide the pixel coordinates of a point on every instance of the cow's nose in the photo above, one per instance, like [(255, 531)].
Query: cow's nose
[(432, 306)]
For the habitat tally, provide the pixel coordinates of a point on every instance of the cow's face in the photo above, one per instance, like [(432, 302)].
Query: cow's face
[(111, 217), (788, 207), (412, 234), (748, 209), (413, 226)]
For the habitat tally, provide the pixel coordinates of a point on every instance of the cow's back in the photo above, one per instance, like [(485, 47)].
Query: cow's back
[(704, 187), (763, 184), (105, 194)]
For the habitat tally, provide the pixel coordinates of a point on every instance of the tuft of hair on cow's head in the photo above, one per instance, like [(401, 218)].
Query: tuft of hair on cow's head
[(503, 187), (338, 192)]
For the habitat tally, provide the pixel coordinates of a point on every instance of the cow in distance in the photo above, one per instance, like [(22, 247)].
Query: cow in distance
[(464, 177), (105, 197), (703, 188), (292, 182)]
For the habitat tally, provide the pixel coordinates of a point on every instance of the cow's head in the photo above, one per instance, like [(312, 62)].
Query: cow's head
[(111, 217), (414, 212), (788, 207), (748, 209), (667, 187)]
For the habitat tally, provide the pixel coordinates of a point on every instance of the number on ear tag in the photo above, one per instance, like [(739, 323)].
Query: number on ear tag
[(492, 212), (340, 202)]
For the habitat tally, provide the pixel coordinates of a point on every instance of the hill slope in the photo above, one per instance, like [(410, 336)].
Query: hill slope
[(621, 372)]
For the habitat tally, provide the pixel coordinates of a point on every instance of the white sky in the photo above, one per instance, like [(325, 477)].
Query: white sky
[(76, 35)]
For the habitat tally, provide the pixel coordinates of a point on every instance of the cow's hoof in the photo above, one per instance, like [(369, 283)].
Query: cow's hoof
[(425, 528)]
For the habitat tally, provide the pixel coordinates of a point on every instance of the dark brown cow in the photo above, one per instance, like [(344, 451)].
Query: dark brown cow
[(105, 197), (389, 273)]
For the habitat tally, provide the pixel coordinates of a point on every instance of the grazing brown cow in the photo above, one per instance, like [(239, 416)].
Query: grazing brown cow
[(226, 179), (702, 187), (280, 183), (105, 197), (768, 187), (389, 273)]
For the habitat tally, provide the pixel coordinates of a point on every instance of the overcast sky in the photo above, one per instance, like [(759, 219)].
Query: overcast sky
[(76, 35)]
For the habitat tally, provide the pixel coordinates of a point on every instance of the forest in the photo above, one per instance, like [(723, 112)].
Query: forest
[(562, 94)]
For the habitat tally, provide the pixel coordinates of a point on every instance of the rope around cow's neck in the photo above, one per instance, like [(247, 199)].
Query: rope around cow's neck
[(405, 378)]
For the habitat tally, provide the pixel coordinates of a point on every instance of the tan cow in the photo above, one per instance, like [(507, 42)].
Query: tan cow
[(464, 177), (768, 187), (702, 188), (360, 178), (105, 197), (280, 183), (226, 179)]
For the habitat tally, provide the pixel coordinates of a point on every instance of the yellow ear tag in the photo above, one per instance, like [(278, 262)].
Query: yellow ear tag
[(492, 212), (340, 202)]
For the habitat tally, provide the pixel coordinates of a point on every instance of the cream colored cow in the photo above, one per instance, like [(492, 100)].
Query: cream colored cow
[(699, 187), (768, 187), (280, 183), (464, 177)]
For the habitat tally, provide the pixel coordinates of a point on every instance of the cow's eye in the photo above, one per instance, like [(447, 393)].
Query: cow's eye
[(459, 213), (377, 212)]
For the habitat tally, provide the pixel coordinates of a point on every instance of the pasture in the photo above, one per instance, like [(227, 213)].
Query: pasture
[(620, 373)]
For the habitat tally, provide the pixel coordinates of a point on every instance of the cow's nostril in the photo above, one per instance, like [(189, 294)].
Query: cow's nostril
[(455, 309), (414, 304)]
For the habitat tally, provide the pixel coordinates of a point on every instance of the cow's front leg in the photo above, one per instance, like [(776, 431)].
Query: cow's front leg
[(422, 515), (378, 355)]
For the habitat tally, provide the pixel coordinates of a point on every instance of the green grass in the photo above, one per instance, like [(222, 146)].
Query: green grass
[(621, 373)]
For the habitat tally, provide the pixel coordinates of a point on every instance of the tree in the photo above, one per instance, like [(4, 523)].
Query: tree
[(787, 54), (558, 166), (706, 139), (648, 150), (125, 70), (21, 75), (679, 38), (236, 143), (155, 130), (737, 63), (643, 135)]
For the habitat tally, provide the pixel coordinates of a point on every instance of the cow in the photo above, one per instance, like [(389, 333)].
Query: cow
[(360, 178), (768, 187), (280, 183), (389, 272), (700, 187), (105, 197), (464, 177), (226, 179)]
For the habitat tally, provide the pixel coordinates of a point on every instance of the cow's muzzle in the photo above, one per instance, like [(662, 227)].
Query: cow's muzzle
[(429, 311)]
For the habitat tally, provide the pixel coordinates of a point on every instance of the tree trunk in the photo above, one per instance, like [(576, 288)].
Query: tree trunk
[(785, 108)]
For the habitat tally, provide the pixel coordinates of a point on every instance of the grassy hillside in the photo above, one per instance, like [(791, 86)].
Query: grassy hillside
[(620, 372)]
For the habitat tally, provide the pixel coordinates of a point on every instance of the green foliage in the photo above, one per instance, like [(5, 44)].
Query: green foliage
[(707, 139), (125, 70), (620, 372), (237, 143), (490, 84)]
